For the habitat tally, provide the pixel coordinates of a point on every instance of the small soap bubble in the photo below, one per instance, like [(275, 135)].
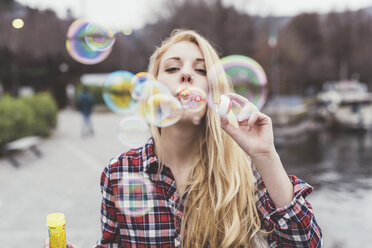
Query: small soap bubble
[(196, 120), (99, 37), (246, 75), (145, 86), (78, 48), (142, 77), (133, 131), (192, 98), (117, 92), (162, 110), (248, 78), (134, 194)]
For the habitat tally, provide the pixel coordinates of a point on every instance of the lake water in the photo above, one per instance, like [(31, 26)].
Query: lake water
[(339, 166)]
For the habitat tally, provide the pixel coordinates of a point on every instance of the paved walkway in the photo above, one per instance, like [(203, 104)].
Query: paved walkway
[(65, 179)]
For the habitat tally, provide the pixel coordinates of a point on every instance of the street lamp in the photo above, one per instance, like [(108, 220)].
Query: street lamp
[(18, 23), (127, 31)]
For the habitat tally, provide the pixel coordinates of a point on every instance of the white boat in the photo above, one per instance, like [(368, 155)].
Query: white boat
[(346, 104)]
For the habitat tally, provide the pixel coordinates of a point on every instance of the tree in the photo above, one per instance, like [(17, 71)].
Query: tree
[(301, 48)]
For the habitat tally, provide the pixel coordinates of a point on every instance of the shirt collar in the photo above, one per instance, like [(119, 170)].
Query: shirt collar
[(149, 156)]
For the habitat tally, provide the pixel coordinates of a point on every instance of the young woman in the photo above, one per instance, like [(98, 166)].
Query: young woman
[(215, 185)]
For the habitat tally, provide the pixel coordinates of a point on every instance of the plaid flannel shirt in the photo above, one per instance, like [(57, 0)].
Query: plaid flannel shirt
[(294, 225)]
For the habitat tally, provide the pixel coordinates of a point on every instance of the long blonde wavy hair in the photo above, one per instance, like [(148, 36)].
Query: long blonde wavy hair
[(220, 207)]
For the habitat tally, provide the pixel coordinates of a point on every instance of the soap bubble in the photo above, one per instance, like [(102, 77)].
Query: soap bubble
[(117, 92), (142, 77), (99, 37), (192, 98), (133, 131), (78, 48), (134, 194), (246, 75), (145, 87), (162, 110)]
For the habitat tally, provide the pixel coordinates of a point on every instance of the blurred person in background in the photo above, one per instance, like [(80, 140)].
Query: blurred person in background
[(85, 104), (215, 185)]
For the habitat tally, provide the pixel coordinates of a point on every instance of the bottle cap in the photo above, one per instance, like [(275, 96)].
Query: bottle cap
[(56, 219)]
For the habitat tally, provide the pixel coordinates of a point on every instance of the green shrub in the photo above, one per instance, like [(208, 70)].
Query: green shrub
[(45, 112), (20, 117), (16, 118)]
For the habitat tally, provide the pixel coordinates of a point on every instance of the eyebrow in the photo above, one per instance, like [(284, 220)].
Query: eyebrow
[(178, 58)]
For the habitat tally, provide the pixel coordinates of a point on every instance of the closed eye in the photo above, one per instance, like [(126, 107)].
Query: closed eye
[(172, 69), (201, 71)]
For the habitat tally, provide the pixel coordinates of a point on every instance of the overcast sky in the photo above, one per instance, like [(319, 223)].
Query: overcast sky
[(135, 13)]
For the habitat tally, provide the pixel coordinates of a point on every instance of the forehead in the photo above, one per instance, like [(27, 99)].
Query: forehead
[(185, 50)]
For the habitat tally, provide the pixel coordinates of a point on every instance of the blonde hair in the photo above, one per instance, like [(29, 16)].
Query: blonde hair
[(220, 207)]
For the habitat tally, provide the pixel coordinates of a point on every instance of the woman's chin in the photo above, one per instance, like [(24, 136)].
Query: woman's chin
[(193, 118)]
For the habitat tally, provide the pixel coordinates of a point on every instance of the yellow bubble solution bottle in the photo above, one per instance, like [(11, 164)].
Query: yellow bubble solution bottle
[(57, 234)]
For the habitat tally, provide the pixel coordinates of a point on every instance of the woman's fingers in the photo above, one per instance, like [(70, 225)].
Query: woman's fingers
[(246, 113), (224, 120), (252, 119), (238, 98), (69, 245), (46, 243)]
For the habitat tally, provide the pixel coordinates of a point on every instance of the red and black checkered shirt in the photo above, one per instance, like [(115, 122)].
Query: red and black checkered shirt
[(294, 224)]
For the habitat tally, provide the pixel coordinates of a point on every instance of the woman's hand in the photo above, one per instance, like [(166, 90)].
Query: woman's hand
[(47, 244), (254, 133)]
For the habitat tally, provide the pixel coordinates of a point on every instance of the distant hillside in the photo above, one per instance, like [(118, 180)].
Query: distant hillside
[(368, 9), (281, 21)]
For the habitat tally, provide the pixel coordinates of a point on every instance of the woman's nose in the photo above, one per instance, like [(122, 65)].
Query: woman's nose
[(186, 78)]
